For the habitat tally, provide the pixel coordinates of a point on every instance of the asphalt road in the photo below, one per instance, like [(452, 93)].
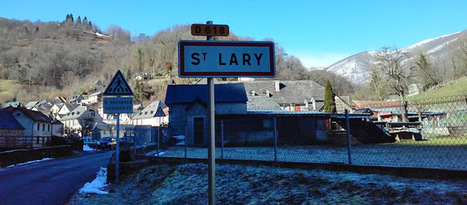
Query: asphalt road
[(50, 182)]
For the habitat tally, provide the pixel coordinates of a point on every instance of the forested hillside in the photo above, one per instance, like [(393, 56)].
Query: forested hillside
[(65, 58)]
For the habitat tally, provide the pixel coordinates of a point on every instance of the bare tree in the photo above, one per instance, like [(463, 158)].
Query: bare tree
[(390, 61), (378, 85)]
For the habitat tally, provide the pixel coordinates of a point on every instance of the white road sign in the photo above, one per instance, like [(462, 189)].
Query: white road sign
[(226, 59)]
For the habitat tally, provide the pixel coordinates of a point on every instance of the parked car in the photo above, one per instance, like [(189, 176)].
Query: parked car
[(107, 142), (128, 139)]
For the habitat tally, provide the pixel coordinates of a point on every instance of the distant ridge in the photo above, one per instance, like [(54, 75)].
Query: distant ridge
[(357, 68)]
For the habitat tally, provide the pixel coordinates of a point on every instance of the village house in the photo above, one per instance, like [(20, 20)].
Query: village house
[(76, 99), (67, 108), (92, 98), (125, 118), (81, 121), (37, 126), (11, 132), (35, 123), (188, 108), (49, 105), (155, 114), (301, 95)]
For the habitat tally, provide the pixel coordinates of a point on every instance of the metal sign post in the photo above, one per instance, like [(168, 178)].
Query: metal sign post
[(212, 138)]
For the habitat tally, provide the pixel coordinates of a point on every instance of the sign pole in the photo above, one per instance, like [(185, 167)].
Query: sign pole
[(212, 136), (117, 154)]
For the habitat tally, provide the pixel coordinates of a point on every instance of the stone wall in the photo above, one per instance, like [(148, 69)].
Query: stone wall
[(24, 155)]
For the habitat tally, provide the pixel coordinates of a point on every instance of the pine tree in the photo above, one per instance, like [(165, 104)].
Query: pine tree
[(85, 21), (139, 57), (78, 20), (139, 92), (329, 102)]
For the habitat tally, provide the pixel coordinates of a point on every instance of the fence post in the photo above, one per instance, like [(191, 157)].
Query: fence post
[(185, 140), (222, 139), (158, 136), (348, 135), (275, 139)]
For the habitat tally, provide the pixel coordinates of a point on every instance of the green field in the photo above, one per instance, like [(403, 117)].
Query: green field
[(6, 87), (457, 88)]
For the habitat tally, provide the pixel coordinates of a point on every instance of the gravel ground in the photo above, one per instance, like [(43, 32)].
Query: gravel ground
[(394, 155), (241, 184)]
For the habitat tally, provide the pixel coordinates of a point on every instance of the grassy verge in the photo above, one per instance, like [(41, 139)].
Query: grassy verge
[(458, 87), (437, 141)]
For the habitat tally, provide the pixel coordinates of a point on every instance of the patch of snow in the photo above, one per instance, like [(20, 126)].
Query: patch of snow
[(427, 41), (97, 185), (154, 153), (440, 47), (181, 143), (179, 137), (30, 162), (87, 148), (100, 34)]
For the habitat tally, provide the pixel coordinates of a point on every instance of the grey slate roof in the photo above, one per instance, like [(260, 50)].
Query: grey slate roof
[(34, 115), (71, 106), (150, 110), (291, 92), (31, 104), (261, 103), (75, 114), (188, 93)]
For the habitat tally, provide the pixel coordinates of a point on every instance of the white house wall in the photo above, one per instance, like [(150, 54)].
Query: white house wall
[(30, 127)]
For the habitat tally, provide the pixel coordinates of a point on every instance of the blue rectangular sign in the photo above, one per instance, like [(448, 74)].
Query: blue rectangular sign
[(118, 105)]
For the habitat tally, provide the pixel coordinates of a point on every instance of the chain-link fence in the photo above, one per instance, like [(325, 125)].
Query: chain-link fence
[(425, 133)]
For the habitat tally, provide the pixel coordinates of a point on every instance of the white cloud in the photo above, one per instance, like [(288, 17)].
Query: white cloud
[(318, 59)]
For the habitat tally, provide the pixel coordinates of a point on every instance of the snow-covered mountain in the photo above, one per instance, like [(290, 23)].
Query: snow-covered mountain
[(357, 68)]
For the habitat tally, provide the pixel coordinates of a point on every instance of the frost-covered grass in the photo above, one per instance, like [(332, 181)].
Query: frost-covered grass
[(424, 155), (242, 184)]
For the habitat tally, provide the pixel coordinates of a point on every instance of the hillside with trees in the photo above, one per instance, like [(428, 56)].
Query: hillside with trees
[(47, 59)]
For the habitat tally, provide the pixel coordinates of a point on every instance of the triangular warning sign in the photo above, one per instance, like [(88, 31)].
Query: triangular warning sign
[(118, 86), (159, 113)]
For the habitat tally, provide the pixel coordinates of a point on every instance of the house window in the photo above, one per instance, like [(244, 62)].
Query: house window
[(48, 127), (43, 127), (38, 126)]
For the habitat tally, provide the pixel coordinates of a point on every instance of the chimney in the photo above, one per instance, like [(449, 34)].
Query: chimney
[(277, 85)]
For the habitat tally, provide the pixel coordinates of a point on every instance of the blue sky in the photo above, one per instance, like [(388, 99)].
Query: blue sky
[(319, 33)]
